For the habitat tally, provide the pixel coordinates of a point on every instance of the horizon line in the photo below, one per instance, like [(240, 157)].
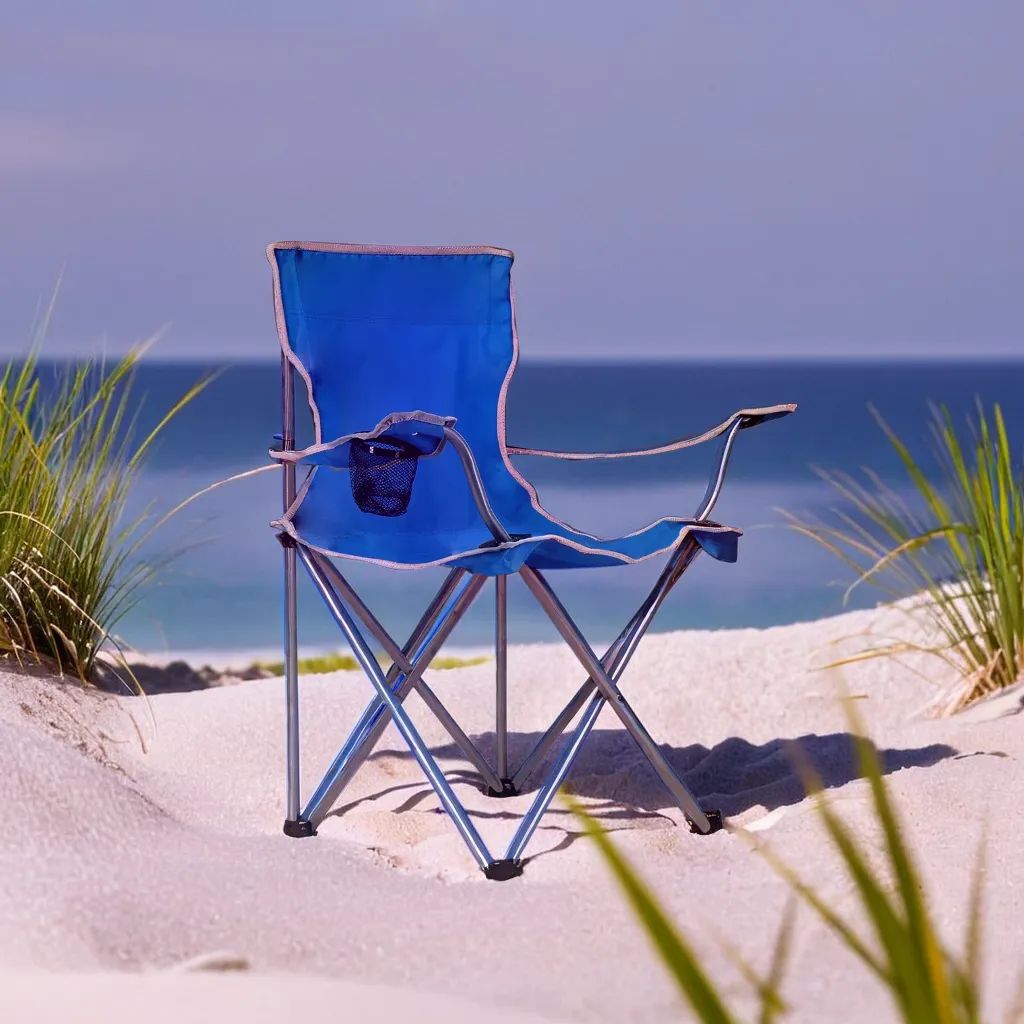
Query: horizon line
[(245, 359)]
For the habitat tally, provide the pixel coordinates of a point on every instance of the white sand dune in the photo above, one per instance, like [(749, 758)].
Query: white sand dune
[(119, 866)]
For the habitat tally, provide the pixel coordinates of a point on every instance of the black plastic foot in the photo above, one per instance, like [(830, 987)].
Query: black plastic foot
[(714, 820), (503, 870), (299, 829), (507, 789)]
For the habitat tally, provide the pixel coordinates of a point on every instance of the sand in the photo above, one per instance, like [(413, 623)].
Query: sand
[(143, 874)]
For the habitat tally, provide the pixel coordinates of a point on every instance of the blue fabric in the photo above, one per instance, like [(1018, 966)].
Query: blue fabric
[(383, 332)]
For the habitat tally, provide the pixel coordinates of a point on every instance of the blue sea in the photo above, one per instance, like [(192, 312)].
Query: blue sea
[(222, 591)]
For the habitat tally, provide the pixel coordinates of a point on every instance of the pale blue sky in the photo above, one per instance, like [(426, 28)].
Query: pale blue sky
[(677, 179)]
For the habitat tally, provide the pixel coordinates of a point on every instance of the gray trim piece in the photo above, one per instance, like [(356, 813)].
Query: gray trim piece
[(687, 527), (282, 337), (753, 415), (370, 249)]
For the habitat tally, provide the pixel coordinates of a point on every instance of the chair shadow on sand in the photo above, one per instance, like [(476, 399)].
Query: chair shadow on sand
[(732, 776)]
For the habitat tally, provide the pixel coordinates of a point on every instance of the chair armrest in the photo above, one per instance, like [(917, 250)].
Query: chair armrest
[(727, 430), (743, 419), (422, 430)]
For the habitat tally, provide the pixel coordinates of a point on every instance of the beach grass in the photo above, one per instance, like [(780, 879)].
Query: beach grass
[(957, 551), (928, 984), (70, 561), (707, 999)]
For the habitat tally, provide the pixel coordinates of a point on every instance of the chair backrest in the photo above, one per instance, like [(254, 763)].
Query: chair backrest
[(374, 329)]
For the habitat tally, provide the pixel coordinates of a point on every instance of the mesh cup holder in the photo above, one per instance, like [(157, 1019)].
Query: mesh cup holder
[(381, 474)]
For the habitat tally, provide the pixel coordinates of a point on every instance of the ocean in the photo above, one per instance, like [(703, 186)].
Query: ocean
[(222, 590)]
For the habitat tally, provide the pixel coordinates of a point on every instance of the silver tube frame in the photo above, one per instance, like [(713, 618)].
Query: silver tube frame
[(717, 480), (501, 678), (399, 657), (291, 640), (447, 607), (618, 655), (633, 631), (529, 822), (427, 640), (563, 622), (616, 658), (458, 735), (368, 662), (329, 788)]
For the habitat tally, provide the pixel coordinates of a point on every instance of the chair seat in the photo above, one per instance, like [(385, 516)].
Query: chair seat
[(549, 544)]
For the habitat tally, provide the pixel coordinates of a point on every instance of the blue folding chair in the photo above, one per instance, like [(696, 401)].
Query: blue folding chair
[(374, 331)]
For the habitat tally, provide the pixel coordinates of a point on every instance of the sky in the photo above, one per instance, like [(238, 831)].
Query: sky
[(814, 178)]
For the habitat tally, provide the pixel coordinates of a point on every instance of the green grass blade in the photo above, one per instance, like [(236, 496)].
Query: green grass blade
[(675, 953), (961, 546)]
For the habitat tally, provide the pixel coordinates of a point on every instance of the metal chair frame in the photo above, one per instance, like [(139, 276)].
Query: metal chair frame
[(405, 675)]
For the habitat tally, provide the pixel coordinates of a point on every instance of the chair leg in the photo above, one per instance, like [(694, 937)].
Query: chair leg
[(293, 825), (404, 724), (505, 787), (615, 659), (428, 638), (530, 821), (610, 692)]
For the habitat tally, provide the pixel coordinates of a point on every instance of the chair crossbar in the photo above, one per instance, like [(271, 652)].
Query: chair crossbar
[(400, 657), (371, 667), (614, 661), (618, 655), (429, 633), (607, 689), (456, 594)]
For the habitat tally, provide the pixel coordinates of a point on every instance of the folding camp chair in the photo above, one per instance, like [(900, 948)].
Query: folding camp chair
[(375, 329)]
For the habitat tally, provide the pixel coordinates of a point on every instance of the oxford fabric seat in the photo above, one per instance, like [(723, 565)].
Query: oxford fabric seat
[(380, 331), (405, 356)]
